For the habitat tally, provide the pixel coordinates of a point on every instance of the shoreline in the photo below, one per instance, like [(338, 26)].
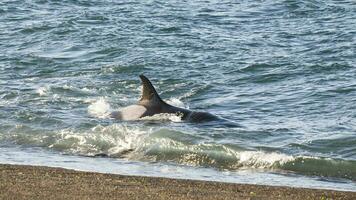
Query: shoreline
[(40, 182)]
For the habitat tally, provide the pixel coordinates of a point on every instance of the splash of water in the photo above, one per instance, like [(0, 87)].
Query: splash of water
[(99, 108)]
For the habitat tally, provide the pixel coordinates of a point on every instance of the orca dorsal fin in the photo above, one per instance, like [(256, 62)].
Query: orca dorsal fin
[(149, 93)]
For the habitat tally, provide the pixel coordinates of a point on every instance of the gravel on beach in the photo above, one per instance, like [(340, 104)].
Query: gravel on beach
[(37, 182)]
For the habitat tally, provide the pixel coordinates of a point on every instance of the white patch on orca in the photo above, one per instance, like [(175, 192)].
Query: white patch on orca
[(164, 117), (132, 112)]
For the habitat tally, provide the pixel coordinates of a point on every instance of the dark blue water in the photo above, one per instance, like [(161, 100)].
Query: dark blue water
[(284, 71)]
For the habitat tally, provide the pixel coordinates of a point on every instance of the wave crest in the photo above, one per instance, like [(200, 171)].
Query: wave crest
[(165, 145)]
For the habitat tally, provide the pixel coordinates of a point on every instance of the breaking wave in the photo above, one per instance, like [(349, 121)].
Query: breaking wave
[(165, 145)]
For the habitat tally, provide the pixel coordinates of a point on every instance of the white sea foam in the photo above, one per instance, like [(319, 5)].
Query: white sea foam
[(87, 90), (67, 87), (112, 140), (99, 108), (42, 91), (212, 154), (259, 159), (147, 144), (108, 69), (90, 100)]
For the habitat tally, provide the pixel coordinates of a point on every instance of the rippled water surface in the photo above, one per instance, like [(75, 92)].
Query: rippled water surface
[(284, 71)]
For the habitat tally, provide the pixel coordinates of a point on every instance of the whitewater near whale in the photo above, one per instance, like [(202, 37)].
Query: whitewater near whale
[(151, 104)]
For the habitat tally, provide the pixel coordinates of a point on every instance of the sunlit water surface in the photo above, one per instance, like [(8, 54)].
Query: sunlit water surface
[(282, 71)]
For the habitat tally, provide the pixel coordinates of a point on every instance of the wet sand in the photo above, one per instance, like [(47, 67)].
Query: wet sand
[(33, 182)]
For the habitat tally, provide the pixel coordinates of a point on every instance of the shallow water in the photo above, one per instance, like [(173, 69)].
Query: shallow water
[(283, 71)]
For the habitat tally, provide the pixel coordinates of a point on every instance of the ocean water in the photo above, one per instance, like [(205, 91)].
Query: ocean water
[(284, 71)]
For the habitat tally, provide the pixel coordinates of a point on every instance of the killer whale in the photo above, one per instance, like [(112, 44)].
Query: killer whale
[(151, 104)]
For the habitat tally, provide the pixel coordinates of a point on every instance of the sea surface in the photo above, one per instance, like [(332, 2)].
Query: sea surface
[(283, 71)]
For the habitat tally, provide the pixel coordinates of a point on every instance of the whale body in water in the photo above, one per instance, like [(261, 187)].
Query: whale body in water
[(151, 104)]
